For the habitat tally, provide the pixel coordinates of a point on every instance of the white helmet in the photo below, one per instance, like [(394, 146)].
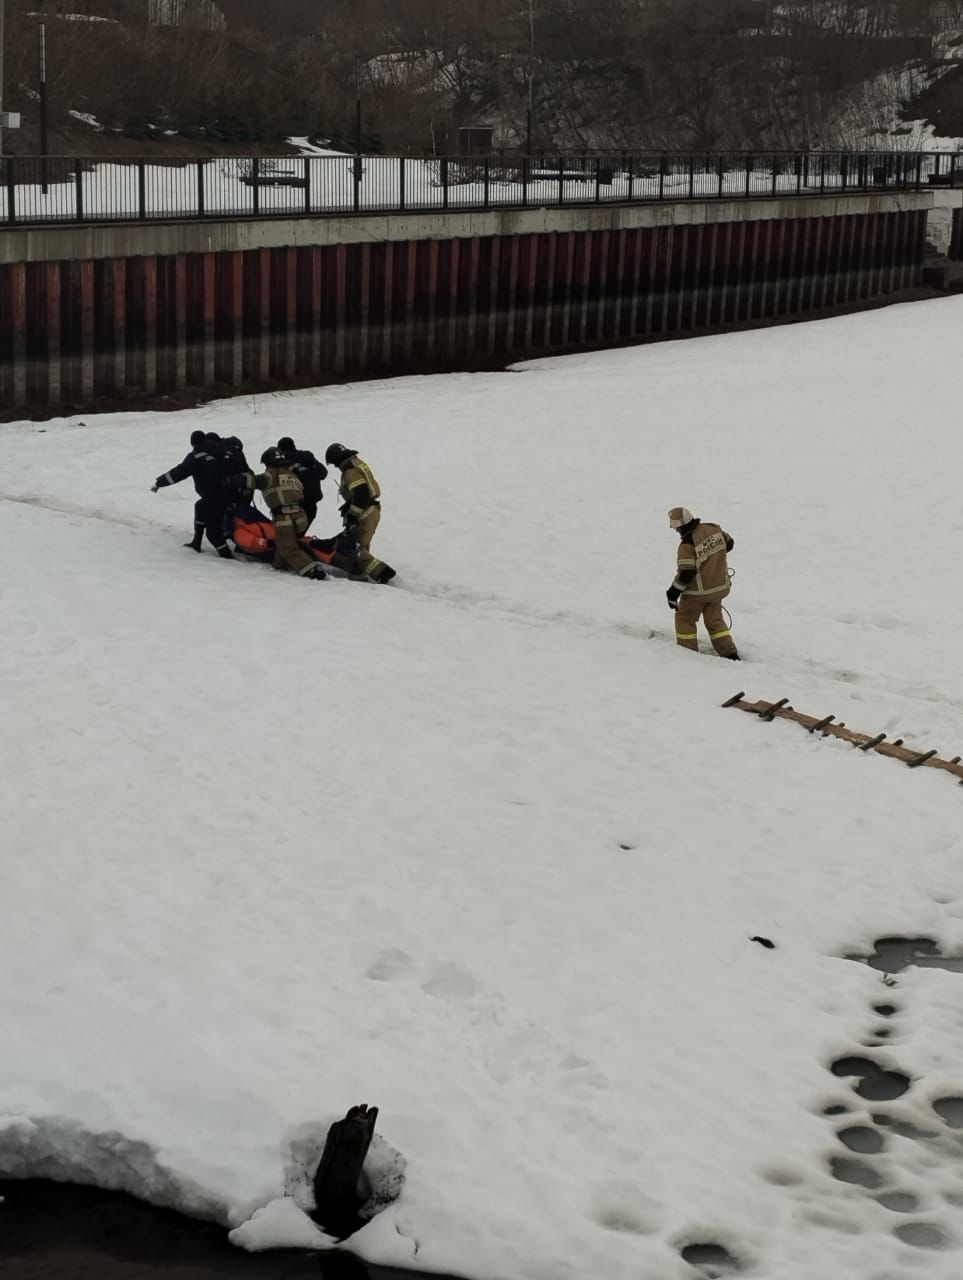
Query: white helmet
[(679, 516)]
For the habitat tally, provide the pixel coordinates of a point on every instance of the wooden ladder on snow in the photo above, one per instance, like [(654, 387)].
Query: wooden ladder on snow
[(829, 727)]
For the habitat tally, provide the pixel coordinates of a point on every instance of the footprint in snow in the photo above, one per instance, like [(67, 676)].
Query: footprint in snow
[(625, 1207), (449, 982), (711, 1260), (388, 965)]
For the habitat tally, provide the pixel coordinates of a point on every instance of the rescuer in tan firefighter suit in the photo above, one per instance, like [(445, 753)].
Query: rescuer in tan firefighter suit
[(360, 509), (284, 495), (701, 583)]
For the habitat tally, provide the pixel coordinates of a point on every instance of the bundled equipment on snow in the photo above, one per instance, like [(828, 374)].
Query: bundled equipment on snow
[(828, 727)]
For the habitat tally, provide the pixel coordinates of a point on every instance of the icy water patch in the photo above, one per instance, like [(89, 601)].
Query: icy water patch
[(893, 955), (57, 1231)]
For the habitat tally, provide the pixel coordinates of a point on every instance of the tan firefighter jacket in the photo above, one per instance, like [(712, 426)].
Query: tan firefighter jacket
[(360, 491), (283, 492), (702, 566)]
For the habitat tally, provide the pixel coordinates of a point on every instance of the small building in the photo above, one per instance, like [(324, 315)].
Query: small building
[(475, 140), (202, 14)]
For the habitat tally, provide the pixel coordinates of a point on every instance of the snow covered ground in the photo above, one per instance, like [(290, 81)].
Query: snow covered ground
[(481, 847)]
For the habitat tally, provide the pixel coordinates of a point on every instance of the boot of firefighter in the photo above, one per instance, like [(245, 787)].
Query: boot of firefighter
[(314, 572), (384, 574)]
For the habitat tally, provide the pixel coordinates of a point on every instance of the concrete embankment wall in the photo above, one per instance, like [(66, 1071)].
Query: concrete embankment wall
[(97, 314)]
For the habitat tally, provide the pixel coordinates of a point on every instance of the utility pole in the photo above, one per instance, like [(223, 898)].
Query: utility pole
[(358, 165), (357, 105), (529, 114), (43, 102), (3, 6)]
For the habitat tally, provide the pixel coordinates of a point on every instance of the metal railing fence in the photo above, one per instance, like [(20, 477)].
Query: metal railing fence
[(58, 191)]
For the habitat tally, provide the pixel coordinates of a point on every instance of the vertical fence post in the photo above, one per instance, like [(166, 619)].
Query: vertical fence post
[(691, 176), (748, 173), (444, 182), (401, 183), (141, 190), (843, 172), (799, 173), (307, 184), (630, 167), (598, 179), (773, 175), (662, 170), (256, 185), (11, 192), (79, 187), (919, 170), (200, 189), (488, 181), (822, 174), (356, 198), (526, 161), (721, 175)]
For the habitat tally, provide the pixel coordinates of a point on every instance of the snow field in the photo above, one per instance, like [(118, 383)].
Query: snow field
[(482, 848)]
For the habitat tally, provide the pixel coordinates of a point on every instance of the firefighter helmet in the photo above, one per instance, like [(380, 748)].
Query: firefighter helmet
[(337, 454), (679, 516)]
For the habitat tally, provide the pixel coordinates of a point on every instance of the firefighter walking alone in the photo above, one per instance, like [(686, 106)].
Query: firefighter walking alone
[(701, 583)]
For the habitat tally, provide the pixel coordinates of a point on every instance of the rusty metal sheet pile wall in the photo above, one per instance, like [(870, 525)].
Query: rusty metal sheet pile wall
[(77, 332)]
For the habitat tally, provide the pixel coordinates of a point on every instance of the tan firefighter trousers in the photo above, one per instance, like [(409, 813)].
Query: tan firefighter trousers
[(364, 531), (709, 609), (288, 552)]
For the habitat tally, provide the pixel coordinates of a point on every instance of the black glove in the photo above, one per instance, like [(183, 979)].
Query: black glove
[(672, 595)]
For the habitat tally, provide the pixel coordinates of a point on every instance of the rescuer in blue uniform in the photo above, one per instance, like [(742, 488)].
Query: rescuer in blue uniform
[(210, 463)]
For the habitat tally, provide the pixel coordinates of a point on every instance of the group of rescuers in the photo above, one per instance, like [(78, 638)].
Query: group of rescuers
[(291, 484)]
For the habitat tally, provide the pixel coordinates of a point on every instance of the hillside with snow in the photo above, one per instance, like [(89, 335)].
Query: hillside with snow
[(482, 847)]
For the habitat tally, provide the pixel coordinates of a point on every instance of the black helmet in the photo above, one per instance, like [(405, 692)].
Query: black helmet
[(336, 454), (286, 444), (272, 458)]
